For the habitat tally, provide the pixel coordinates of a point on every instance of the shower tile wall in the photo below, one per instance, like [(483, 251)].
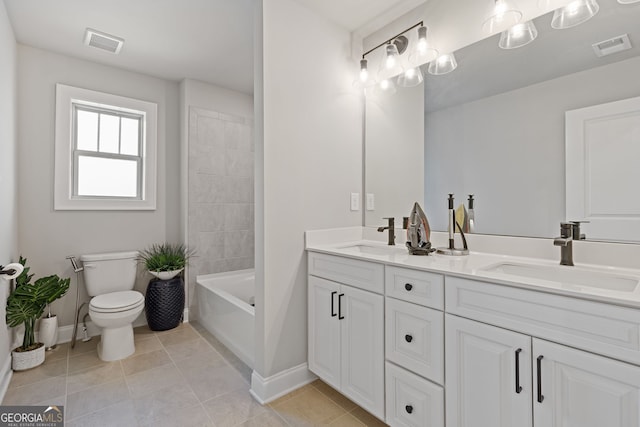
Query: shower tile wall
[(221, 201)]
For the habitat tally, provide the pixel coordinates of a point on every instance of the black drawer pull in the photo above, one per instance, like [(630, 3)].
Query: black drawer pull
[(539, 362), (409, 409), (408, 338), (340, 316), (333, 313), (518, 386), (408, 286)]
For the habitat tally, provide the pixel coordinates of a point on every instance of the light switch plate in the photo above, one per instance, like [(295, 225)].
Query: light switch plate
[(371, 202), (355, 201)]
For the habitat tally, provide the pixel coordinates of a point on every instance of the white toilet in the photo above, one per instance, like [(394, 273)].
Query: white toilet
[(109, 279)]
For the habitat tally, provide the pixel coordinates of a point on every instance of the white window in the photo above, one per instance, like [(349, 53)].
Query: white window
[(105, 151)]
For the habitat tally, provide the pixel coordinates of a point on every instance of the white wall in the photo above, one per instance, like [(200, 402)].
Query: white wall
[(508, 150), (47, 236), (310, 159), (8, 182)]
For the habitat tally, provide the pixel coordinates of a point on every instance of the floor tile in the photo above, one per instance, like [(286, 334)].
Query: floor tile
[(178, 336), (268, 419), (120, 414), (212, 381), (146, 344), (163, 403), (96, 375), (84, 346), (33, 393), (150, 381), (347, 420), (84, 361), (233, 408), (310, 407), (59, 353), (366, 418), (49, 369), (96, 398), (145, 361), (183, 417), (334, 395), (189, 348)]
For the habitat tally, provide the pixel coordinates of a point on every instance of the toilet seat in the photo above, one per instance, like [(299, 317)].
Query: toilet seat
[(115, 302)]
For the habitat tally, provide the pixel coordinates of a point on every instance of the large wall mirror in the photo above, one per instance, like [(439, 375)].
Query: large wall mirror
[(495, 126)]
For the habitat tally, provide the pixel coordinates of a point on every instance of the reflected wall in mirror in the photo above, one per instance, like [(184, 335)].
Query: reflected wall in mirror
[(394, 153), (495, 127)]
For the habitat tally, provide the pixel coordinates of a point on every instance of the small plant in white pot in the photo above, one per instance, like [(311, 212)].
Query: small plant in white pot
[(24, 306), (165, 260)]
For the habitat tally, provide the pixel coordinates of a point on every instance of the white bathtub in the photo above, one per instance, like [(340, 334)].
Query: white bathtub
[(225, 310)]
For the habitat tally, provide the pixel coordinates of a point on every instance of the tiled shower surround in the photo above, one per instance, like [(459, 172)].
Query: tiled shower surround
[(220, 194)]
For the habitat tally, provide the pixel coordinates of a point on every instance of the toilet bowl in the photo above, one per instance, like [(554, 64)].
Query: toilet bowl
[(109, 279), (114, 313)]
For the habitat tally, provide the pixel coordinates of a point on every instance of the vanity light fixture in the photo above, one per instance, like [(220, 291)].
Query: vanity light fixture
[(390, 65), (445, 63), (423, 52), (411, 77), (519, 35), (575, 13), (504, 15)]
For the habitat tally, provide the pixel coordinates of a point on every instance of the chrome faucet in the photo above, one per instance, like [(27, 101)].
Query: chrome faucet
[(392, 231), (569, 231)]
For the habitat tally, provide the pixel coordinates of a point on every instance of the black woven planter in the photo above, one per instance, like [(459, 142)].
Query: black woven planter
[(164, 303)]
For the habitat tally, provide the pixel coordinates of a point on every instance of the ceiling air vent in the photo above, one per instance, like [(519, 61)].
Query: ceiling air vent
[(613, 45), (103, 41)]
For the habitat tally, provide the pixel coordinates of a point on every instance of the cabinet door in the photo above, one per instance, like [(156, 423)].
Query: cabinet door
[(362, 329), (324, 330), (488, 375), (581, 389)]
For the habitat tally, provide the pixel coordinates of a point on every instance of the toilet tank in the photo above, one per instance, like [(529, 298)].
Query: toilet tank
[(109, 272)]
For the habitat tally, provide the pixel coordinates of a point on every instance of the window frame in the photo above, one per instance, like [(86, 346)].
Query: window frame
[(68, 100)]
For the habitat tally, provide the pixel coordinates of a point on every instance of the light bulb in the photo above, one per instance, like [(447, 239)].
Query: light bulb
[(503, 16), (423, 53), (364, 73), (518, 35)]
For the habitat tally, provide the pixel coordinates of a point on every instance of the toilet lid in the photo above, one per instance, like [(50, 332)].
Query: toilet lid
[(116, 301)]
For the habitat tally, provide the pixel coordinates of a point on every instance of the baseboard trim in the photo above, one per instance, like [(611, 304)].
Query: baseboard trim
[(5, 377), (266, 390)]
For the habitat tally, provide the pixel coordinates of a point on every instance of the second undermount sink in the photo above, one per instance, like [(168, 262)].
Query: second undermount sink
[(374, 249), (573, 277)]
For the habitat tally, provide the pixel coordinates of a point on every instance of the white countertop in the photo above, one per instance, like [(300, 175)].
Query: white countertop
[(474, 265)]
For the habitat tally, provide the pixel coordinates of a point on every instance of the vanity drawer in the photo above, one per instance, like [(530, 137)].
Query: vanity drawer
[(360, 274), (411, 400), (415, 338), (418, 287), (597, 327)]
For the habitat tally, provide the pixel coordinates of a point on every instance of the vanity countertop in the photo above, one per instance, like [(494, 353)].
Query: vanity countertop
[(610, 284)]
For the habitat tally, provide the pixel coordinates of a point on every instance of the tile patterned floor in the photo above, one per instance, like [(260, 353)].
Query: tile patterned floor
[(178, 378)]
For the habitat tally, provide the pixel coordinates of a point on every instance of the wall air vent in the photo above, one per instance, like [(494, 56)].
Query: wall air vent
[(103, 41), (613, 45)]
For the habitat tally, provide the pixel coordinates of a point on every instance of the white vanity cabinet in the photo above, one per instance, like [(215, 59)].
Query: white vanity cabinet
[(414, 336), (498, 377), (346, 328)]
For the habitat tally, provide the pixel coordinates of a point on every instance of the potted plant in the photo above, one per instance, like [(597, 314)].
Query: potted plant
[(165, 260), (24, 306)]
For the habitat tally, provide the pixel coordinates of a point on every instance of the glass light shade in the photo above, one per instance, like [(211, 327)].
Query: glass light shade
[(504, 15), (411, 77), (518, 35), (386, 87), (628, 1), (552, 4), (445, 63), (390, 65), (364, 79), (575, 13), (423, 52)]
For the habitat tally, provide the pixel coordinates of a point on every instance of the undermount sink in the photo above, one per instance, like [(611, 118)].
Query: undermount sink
[(374, 249), (572, 277)]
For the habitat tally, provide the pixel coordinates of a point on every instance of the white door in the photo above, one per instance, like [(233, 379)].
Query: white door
[(579, 389), (488, 375), (362, 325), (324, 330)]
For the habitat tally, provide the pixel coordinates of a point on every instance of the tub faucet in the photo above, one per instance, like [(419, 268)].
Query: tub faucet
[(569, 231), (392, 231)]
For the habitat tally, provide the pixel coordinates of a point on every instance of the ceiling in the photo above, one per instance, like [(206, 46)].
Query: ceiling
[(206, 40)]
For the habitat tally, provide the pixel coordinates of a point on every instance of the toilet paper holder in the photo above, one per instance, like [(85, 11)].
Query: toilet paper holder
[(11, 271)]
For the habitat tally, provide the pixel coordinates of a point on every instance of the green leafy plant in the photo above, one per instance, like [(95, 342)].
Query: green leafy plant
[(28, 301), (165, 256)]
